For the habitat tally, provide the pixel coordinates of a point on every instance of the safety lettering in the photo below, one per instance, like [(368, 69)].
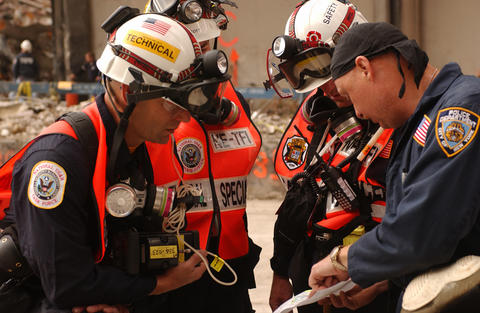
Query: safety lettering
[(329, 13), (153, 45)]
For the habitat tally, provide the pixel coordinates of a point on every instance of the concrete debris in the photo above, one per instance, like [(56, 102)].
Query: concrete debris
[(25, 13), (21, 119), (26, 19)]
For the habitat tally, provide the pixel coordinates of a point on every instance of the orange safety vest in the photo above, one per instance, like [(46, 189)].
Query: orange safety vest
[(99, 176), (290, 159), (217, 159)]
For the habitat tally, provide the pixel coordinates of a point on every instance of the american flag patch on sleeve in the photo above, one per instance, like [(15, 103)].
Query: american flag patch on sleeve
[(421, 133)]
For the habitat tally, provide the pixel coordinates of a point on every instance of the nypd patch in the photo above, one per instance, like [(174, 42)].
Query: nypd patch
[(191, 154), (455, 129), (294, 152), (47, 185)]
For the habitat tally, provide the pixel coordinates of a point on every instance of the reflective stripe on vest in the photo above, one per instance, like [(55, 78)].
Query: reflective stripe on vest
[(232, 151), (63, 127)]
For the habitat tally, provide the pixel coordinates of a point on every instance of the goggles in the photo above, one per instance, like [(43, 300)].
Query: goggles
[(196, 97), (289, 67)]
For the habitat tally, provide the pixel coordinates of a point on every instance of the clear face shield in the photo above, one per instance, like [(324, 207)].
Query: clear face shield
[(289, 67)]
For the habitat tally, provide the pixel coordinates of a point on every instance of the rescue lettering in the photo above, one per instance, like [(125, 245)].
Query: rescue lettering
[(234, 193), (330, 11), (153, 45)]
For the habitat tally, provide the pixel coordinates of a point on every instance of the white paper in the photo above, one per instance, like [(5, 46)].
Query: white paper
[(303, 299)]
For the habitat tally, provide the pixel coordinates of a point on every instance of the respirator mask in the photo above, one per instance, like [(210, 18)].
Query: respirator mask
[(138, 249)]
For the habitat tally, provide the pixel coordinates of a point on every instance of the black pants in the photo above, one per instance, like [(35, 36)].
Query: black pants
[(202, 296)]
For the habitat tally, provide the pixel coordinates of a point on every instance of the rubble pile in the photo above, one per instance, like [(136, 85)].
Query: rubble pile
[(26, 19), (21, 119), (24, 13), (271, 117)]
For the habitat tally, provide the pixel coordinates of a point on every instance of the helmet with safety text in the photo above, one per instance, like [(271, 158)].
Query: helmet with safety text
[(300, 59), (205, 18)]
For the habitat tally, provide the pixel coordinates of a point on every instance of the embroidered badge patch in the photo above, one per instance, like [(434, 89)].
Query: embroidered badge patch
[(421, 133), (294, 152), (47, 185), (455, 129), (190, 151)]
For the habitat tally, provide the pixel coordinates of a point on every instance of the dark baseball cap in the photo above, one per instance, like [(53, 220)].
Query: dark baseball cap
[(373, 39)]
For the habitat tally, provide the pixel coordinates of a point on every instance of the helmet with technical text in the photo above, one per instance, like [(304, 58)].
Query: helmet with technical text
[(300, 59), (158, 57), (205, 18)]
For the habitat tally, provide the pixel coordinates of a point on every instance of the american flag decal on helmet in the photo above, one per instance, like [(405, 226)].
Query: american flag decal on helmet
[(156, 25), (421, 133)]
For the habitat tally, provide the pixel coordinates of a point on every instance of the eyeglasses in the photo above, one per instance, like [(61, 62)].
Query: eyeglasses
[(172, 107)]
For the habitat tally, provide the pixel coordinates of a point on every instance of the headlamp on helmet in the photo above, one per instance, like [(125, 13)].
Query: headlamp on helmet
[(209, 13), (284, 47), (190, 11), (118, 17), (300, 59), (214, 63)]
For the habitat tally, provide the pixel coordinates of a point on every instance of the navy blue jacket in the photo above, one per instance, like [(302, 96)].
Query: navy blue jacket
[(433, 193), (25, 67), (60, 243)]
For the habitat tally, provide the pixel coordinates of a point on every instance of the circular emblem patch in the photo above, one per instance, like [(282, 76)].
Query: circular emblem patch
[(47, 185), (190, 151), (294, 152)]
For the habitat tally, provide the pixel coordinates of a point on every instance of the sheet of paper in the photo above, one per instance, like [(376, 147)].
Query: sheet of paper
[(303, 299)]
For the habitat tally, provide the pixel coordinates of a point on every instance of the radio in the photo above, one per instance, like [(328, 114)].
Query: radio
[(154, 252)]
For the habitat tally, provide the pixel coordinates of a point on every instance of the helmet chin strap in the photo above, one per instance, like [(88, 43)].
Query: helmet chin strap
[(120, 131), (111, 96)]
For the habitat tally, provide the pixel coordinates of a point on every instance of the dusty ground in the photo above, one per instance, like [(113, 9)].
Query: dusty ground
[(261, 217)]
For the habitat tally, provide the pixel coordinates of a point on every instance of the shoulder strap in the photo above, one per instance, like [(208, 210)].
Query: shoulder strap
[(85, 131)]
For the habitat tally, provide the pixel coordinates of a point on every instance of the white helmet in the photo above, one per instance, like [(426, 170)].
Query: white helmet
[(26, 45), (204, 18), (159, 57), (301, 58)]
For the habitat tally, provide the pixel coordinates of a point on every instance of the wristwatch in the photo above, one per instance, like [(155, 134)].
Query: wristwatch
[(334, 258)]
